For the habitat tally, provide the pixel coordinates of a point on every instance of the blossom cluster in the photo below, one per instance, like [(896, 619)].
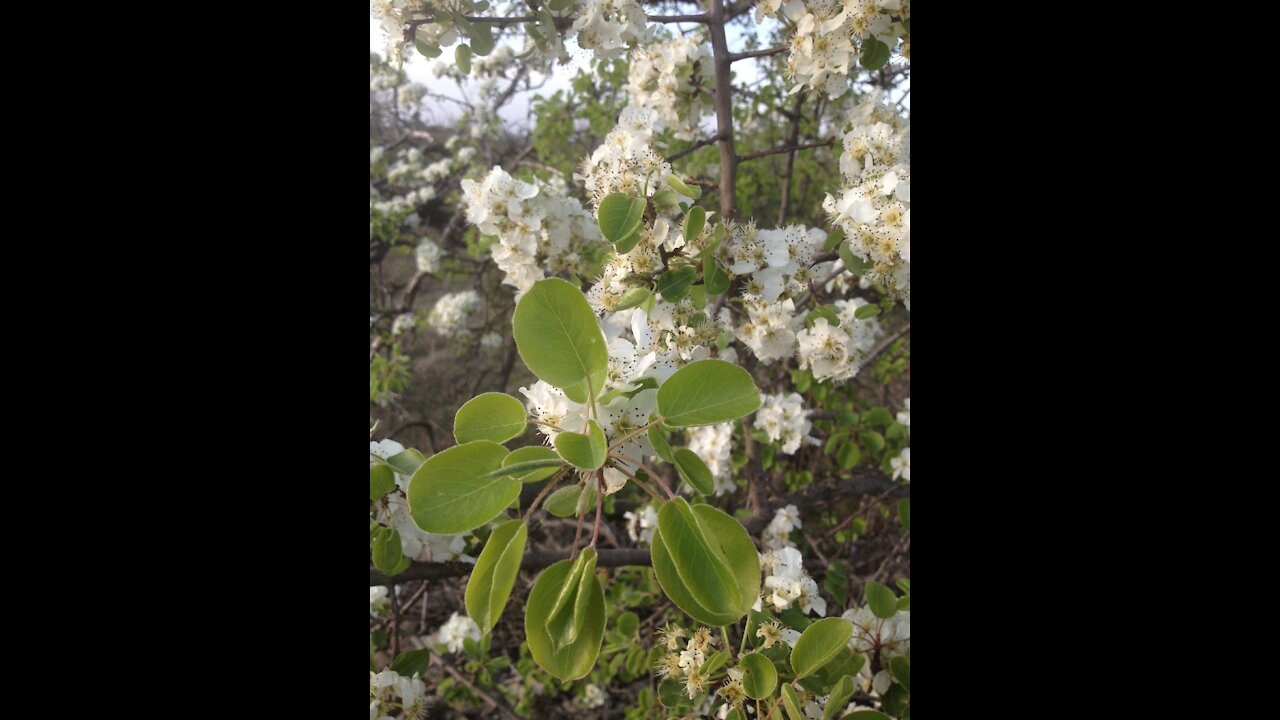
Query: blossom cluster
[(714, 445), (874, 208), (386, 686), (606, 26), (786, 583), (784, 419), (538, 229), (823, 47), (836, 352), (673, 78), (393, 511), (454, 631), (777, 534), (453, 311)]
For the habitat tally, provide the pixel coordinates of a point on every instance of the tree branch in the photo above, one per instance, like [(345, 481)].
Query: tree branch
[(532, 561), (735, 57), (694, 147), (786, 148), (724, 112)]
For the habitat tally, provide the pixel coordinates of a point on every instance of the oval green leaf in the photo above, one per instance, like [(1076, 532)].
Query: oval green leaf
[(482, 38), (564, 502), (620, 217), (866, 311), (819, 644), (694, 221), (881, 599), (533, 453), (674, 284), (447, 494), (462, 56), (489, 586), (694, 471), (387, 552), (490, 416), (900, 668), (705, 562), (792, 703), (585, 451), (839, 698), (635, 297), (406, 462), (660, 445), (707, 392), (382, 480), (679, 186), (559, 338), (575, 659), (715, 279), (759, 676), (874, 53)]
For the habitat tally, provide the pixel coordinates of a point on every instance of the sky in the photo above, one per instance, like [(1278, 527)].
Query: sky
[(517, 110)]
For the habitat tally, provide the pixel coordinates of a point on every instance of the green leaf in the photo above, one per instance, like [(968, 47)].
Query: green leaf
[(866, 311), (575, 659), (900, 667), (694, 471), (674, 285), (533, 453), (819, 644), (660, 445), (694, 221), (560, 340), (387, 552), (833, 239), (759, 676), (428, 50), (707, 392), (490, 416), (904, 513), (447, 494), (462, 56), (585, 451), (413, 662), (635, 297), (489, 586), (705, 562), (904, 602), (382, 480), (839, 698), (878, 416), (904, 584), (698, 296), (672, 695), (792, 703), (559, 5), (852, 263), (874, 53), (565, 501), (482, 38), (621, 217), (628, 623), (849, 455), (713, 277), (866, 715), (881, 599), (873, 440), (679, 186), (567, 615), (406, 462)]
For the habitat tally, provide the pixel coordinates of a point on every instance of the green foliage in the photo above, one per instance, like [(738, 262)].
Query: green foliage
[(819, 644), (559, 340), (449, 495), (759, 676), (705, 562), (533, 453), (585, 451), (881, 599), (707, 392), (564, 618), (494, 575), (694, 471), (490, 416)]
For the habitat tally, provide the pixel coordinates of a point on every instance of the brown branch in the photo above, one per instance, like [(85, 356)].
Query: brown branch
[(694, 147), (785, 148), (724, 111), (735, 57), (793, 137), (885, 345), (699, 18)]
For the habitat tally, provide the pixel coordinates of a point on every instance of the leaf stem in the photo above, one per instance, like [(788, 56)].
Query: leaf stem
[(595, 532), (543, 493), (656, 477)]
